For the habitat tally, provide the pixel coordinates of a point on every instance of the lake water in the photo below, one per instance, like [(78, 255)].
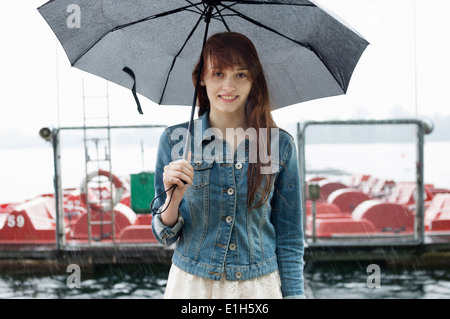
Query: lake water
[(325, 281)]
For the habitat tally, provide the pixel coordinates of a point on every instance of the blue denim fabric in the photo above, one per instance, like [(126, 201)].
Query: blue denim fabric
[(216, 233)]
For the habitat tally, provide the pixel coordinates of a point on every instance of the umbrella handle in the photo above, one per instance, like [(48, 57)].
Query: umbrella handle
[(133, 89)]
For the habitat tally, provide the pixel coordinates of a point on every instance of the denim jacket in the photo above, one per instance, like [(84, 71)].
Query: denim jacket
[(216, 234)]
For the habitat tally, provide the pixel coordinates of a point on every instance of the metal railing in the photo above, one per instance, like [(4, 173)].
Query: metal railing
[(132, 151), (335, 151), (334, 154)]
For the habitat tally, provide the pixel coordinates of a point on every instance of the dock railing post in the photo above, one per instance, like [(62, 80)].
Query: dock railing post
[(314, 195), (60, 234)]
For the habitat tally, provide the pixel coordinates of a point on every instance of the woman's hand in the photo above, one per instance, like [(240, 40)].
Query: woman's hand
[(174, 174)]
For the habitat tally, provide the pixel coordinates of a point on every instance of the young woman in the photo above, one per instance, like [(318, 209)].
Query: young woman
[(237, 222)]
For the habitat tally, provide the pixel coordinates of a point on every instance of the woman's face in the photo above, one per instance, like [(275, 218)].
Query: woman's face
[(227, 89)]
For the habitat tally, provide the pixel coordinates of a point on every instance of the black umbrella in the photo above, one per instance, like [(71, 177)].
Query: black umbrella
[(152, 46)]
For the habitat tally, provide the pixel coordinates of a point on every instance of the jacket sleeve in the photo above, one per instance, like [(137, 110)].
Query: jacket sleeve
[(287, 219), (164, 234)]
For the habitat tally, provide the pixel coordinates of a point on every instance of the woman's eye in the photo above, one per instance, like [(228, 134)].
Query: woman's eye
[(242, 75), (217, 74)]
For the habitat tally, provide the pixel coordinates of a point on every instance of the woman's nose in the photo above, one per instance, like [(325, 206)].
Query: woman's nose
[(228, 84)]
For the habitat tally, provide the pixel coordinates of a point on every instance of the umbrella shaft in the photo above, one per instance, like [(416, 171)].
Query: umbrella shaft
[(197, 83)]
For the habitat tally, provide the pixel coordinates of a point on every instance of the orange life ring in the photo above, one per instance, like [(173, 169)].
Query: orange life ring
[(105, 205)]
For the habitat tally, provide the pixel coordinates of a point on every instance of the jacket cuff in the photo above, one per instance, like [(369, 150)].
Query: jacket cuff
[(165, 233)]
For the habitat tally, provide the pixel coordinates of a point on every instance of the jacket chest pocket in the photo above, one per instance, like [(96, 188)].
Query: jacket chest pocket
[(202, 174)]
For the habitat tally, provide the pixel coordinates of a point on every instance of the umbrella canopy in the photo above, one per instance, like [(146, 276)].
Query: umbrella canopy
[(152, 46)]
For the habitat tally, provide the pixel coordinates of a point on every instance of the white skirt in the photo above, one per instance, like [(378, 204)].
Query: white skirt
[(182, 285)]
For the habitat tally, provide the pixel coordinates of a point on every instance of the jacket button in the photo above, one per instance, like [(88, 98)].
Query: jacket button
[(230, 191), (232, 247), (238, 275), (238, 165), (229, 219)]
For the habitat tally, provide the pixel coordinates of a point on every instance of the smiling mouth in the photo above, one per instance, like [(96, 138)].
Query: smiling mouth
[(229, 98)]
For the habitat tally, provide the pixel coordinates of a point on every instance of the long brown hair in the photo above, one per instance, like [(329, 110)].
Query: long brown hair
[(226, 50)]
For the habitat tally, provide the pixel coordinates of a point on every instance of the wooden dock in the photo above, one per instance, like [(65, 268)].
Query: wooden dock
[(48, 259)]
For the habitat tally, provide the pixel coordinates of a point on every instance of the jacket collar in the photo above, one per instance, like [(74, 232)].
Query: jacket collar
[(203, 130)]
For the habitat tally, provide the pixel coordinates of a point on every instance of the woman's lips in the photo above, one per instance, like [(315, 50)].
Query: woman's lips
[(228, 98)]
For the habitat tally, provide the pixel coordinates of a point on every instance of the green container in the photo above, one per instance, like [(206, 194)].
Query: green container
[(142, 192)]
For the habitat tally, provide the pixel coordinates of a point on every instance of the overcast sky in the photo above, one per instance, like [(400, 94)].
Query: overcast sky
[(37, 79)]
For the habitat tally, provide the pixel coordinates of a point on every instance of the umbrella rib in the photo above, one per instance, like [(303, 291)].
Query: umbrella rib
[(176, 56), (221, 18), (193, 11), (259, 24), (200, 11), (159, 15), (273, 3)]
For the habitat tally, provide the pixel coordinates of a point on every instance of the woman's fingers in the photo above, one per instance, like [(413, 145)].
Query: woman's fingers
[(177, 172), (177, 177), (181, 166)]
